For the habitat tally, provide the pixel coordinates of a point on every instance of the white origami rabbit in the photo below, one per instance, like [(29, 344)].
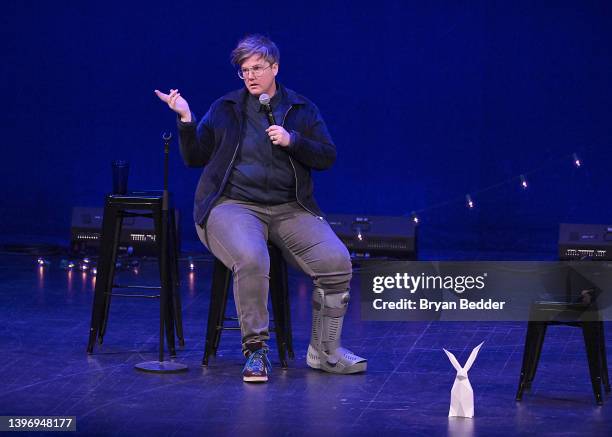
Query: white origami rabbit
[(462, 395)]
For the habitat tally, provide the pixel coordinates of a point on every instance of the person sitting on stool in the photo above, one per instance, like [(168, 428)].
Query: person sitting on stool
[(256, 187)]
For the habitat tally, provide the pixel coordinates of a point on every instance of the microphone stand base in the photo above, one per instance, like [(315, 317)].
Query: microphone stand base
[(161, 367)]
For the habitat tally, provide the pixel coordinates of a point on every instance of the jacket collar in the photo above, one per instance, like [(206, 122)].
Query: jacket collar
[(240, 95)]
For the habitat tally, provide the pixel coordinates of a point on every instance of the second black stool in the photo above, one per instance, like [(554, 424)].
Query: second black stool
[(137, 204), (586, 317), (279, 296)]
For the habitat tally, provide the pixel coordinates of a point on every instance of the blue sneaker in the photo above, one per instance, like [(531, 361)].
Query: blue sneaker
[(257, 367)]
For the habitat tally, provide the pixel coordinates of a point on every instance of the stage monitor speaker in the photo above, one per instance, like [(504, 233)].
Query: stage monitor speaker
[(137, 233), (585, 242), (376, 236)]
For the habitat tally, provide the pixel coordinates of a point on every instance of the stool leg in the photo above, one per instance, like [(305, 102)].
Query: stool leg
[(591, 336), (276, 297), (528, 357), (170, 320), (221, 309), (279, 323), (104, 276), (220, 282), (115, 248), (604, 358), (176, 283), (96, 313), (287, 305), (539, 342)]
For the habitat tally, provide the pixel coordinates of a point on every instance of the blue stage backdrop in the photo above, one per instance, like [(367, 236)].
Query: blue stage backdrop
[(426, 101)]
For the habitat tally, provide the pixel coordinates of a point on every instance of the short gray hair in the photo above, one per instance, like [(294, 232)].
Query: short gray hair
[(255, 45)]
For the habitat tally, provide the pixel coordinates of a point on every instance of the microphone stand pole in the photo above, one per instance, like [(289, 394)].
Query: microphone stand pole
[(162, 366)]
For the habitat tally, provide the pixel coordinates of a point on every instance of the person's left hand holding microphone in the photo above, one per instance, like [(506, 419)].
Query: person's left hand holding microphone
[(278, 135)]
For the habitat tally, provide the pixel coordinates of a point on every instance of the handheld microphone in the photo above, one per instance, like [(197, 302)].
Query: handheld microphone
[(264, 100)]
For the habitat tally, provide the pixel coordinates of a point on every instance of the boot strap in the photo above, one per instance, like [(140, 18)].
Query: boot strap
[(330, 312)]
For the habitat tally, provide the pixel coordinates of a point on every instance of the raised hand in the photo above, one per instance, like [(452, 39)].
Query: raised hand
[(177, 103)]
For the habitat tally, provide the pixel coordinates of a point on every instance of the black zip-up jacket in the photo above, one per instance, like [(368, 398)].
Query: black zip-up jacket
[(214, 145)]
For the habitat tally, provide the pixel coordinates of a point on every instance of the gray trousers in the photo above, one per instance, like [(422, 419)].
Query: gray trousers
[(236, 232)]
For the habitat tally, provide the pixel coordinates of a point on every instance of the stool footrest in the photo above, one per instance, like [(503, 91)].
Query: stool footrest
[(136, 214), (146, 296), (144, 287)]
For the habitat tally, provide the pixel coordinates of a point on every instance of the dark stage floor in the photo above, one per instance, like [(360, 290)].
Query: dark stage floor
[(44, 323)]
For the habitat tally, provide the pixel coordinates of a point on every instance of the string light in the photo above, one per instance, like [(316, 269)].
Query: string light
[(87, 266), (191, 264), (67, 265), (42, 262), (469, 202)]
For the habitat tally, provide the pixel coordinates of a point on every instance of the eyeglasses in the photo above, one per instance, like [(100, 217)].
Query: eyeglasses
[(257, 71)]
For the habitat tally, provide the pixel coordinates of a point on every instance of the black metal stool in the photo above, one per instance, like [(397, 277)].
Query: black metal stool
[(279, 296), (138, 204), (584, 316)]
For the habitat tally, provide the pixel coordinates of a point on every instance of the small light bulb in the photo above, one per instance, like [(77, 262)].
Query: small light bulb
[(577, 162), (469, 202), (524, 182)]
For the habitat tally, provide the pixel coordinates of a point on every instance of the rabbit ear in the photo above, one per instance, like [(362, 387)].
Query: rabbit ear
[(453, 360), (472, 358)]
